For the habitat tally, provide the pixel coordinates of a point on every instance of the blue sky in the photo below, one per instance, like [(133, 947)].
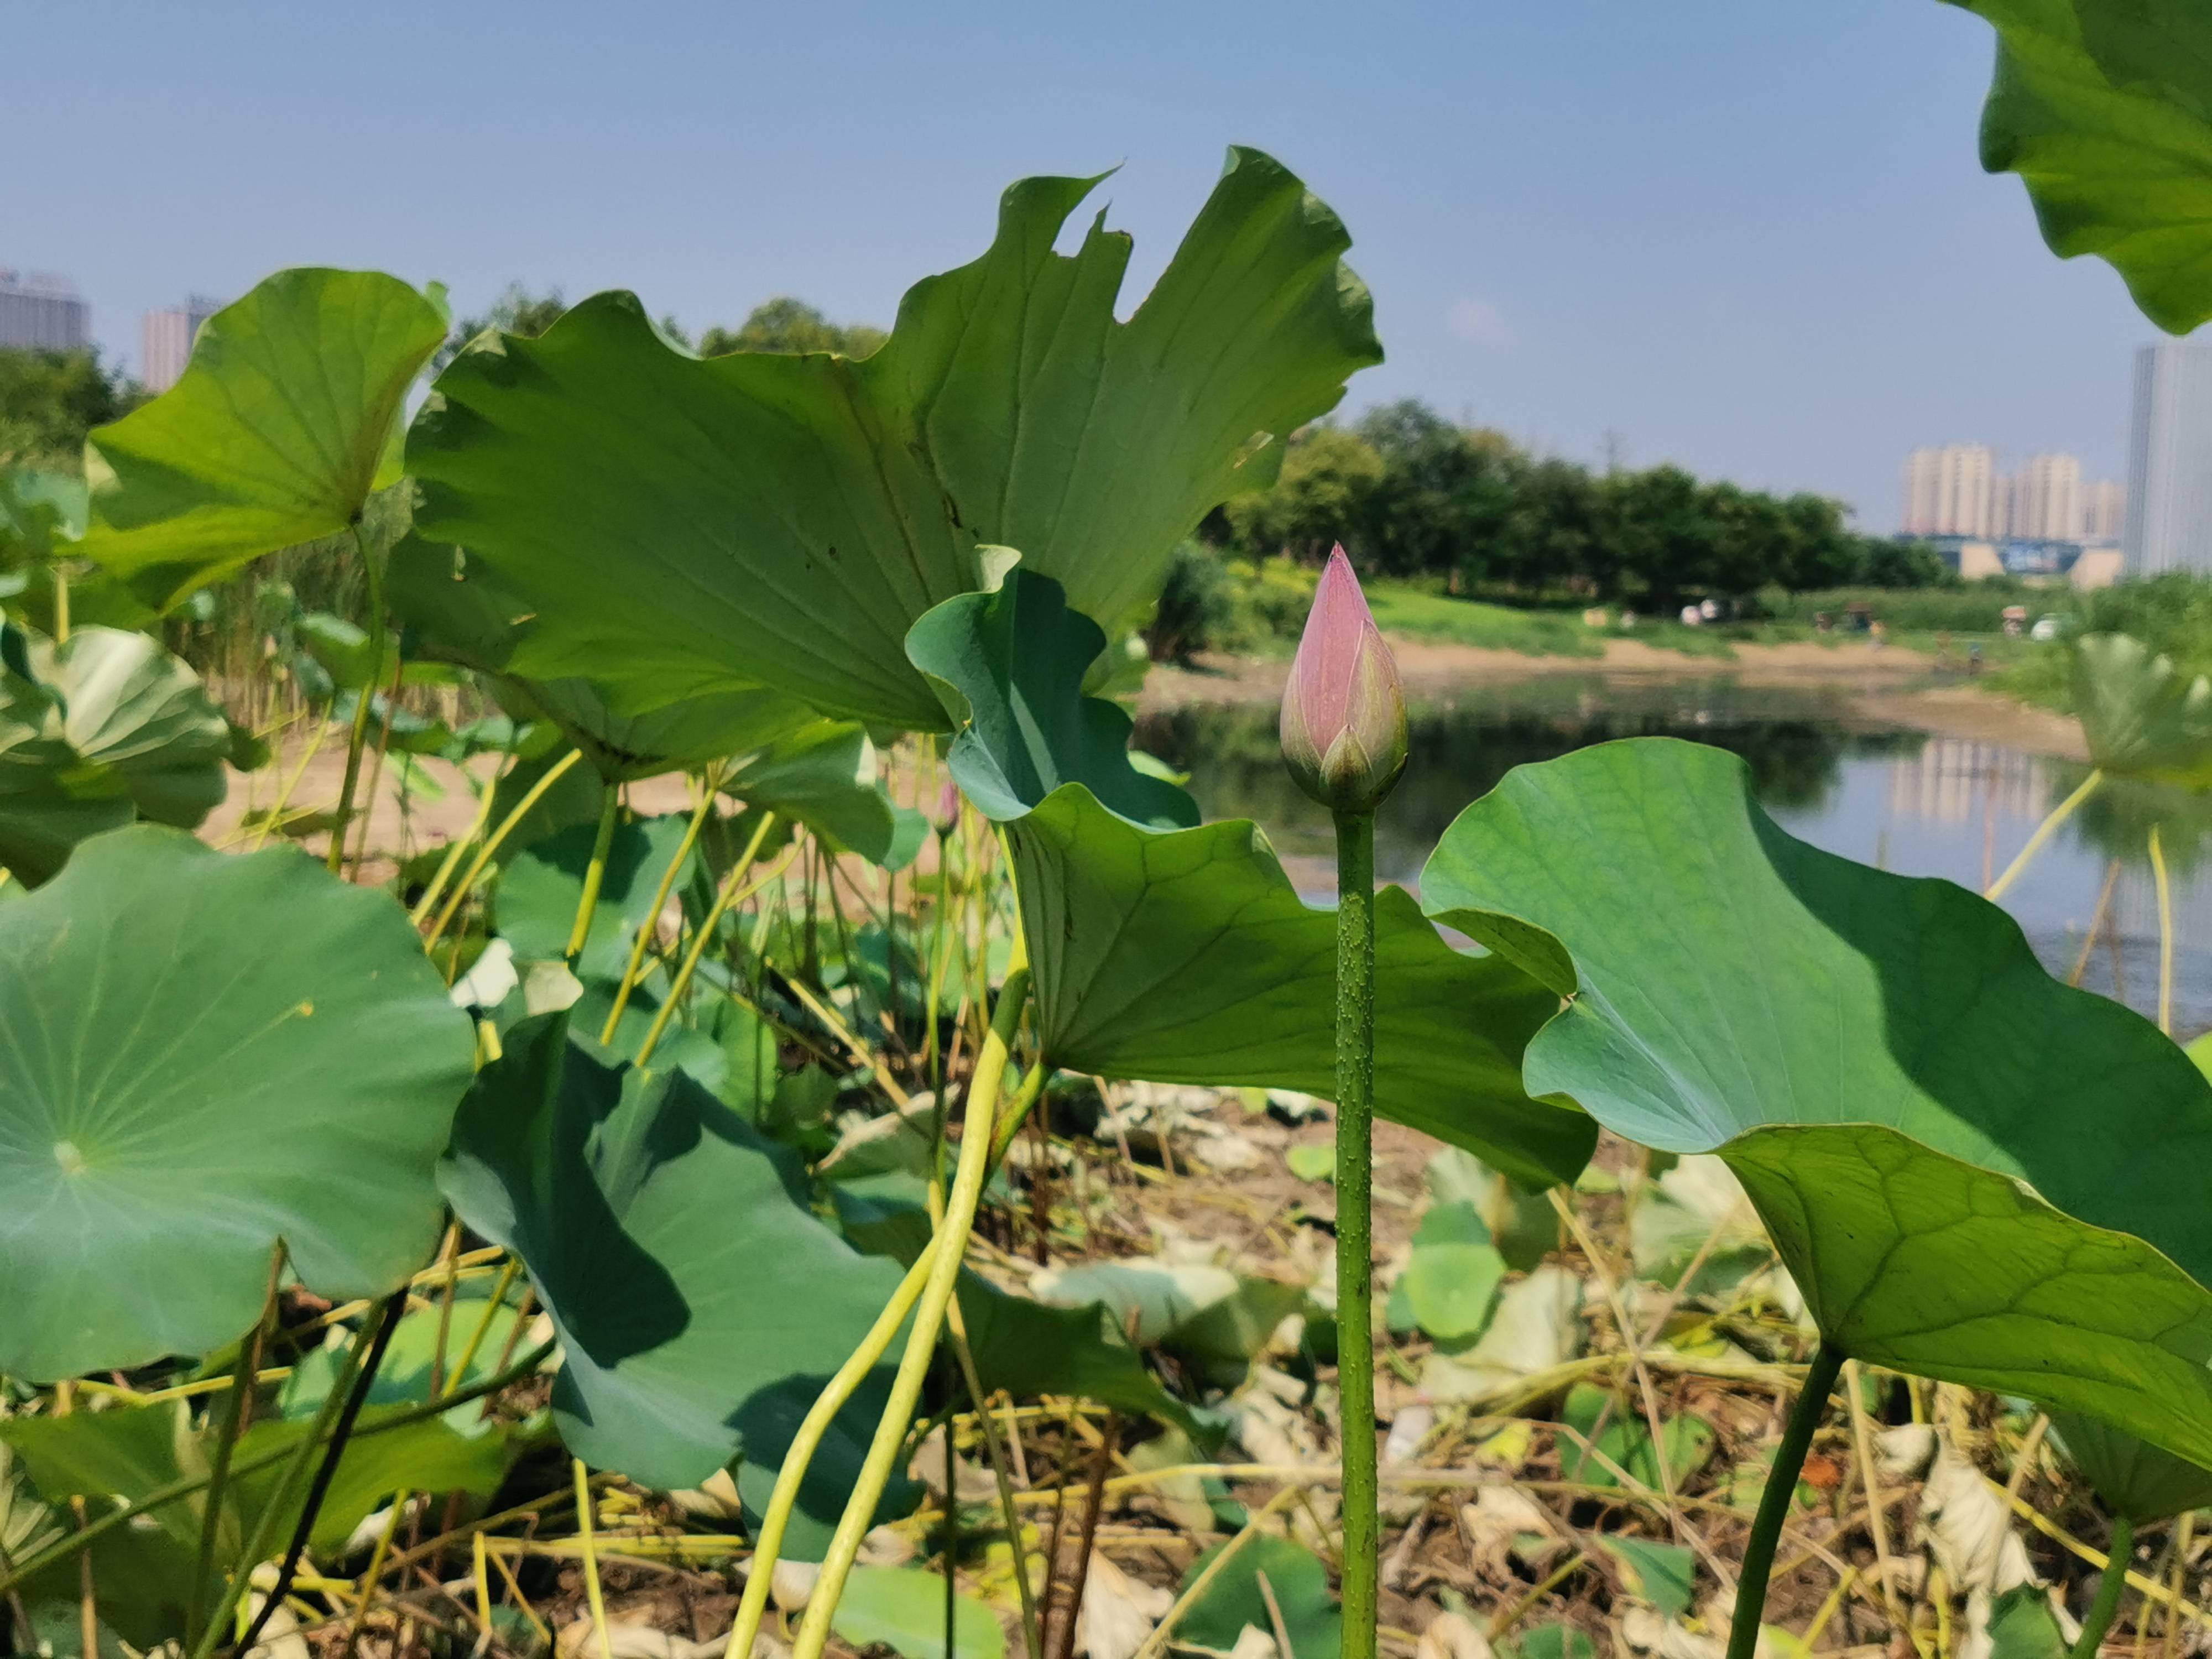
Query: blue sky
[(1750, 236)]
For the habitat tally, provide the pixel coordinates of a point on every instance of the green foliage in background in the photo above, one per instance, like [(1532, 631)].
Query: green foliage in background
[(1412, 494), (49, 400)]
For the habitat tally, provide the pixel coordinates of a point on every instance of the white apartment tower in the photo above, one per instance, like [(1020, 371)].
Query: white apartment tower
[(42, 312), (1951, 491), (2046, 499), (166, 340), (2170, 461), (2104, 512)]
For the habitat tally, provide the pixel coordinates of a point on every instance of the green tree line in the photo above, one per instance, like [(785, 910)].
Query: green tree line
[(49, 399), (1411, 494), (1408, 492)]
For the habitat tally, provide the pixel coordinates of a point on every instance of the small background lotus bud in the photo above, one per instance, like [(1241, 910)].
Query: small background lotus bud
[(1344, 710), (947, 816)]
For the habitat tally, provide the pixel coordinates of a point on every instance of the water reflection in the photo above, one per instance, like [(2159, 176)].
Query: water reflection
[(1919, 804)]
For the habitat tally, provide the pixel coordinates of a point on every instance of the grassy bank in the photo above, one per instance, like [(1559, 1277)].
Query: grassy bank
[(1238, 607)]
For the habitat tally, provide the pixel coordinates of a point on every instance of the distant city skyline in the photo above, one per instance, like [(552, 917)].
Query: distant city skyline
[(165, 339), (1960, 489), (42, 312)]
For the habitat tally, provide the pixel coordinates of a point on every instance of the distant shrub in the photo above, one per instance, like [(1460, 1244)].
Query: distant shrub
[(1970, 608), (1197, 609)]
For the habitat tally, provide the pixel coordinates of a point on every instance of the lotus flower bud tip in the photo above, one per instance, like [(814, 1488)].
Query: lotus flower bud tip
[(1344, 710)]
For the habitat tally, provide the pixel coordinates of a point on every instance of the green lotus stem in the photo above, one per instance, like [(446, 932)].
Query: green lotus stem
[(452, 861), (2165, 932), (727, 895), (595, 872), (296, 1469), (594, 1597), (176, 1492), (393, 1311), (1009, 1515), (1025, 1099), (1355, 1272), (2114, 1582), (233, 1421), (376, 773), (976, 1137), (358, 738), (507, 825), (646, 928), (2044, 831), (1774, 1501), (61, 604), (775, 1519), (492, 1305)]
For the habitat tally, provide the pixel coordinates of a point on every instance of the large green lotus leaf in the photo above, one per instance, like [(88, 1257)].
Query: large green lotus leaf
[(1974, 1171), (143, 1573), (1297, 1588), (42, 517), (903, 1608), (454, 610), (783, 519), (280, 428), (542, 888), (130, 1453), (1074, 1346), (200, 1055), (106, 727), (427, 1342), (2140, 716), (40, 513), (2133, 1477), (432, 1455), (1185, 955), (825, 776), (2103, 107), (1009, 667), (701, 1306)]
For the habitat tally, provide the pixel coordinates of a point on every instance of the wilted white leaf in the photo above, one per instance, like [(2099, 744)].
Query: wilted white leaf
[(1648, 1631), (1452, 1636), (1407, 1431), (1118, 1613), (791, 1582), (489, 979), (1496, 1522), (1967, 1527)]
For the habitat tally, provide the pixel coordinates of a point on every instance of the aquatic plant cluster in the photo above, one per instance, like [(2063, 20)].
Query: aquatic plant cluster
[(263, 1115)]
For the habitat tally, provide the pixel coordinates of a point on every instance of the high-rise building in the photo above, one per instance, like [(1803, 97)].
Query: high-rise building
[(2046, 499), (2104, 512), (39, 311), (2170, 461), (166, 340), (1951, 491)]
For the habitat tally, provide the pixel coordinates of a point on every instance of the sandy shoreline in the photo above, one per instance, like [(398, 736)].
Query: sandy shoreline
[(1892, 687)]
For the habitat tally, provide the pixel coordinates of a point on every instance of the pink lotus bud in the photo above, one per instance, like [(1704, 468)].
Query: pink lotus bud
[(1343, 712), (947, 816)]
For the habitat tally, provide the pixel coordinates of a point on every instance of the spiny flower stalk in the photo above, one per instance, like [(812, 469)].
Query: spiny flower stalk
[(1344, 710), (1344, 739)]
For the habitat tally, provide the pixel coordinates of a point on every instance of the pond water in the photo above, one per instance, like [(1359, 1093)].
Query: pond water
[(1899, 798)]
